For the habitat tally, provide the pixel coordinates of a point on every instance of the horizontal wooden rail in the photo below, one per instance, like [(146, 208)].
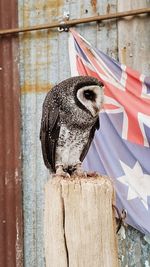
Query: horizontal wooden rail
[(70, 23)]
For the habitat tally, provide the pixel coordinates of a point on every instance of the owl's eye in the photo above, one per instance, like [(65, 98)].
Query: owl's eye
[(89, 95)]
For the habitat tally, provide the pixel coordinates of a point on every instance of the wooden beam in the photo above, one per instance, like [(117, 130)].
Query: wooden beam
[(70, 23)]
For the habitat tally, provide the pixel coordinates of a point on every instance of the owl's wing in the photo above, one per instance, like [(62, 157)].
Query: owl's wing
[(91, 136), (49, 133)]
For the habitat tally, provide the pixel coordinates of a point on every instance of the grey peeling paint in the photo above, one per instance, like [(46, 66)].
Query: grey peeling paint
[(34, 178), (43, 63), (134, 248), (134, 42)]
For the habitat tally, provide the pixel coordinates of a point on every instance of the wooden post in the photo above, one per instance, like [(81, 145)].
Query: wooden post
[(79, 223)]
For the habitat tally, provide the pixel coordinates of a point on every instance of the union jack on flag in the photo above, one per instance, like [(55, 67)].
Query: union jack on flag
[(120, 148)]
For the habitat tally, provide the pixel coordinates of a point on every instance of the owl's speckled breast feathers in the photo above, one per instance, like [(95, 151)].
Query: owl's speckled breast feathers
[(69, 120)]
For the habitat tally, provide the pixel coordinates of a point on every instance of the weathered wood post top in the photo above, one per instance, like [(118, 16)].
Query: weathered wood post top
[(79, 223)]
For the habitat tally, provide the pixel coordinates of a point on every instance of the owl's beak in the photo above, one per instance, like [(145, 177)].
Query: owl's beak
[(96, 110)]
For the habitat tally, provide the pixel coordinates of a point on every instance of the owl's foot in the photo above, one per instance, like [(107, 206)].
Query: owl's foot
[(79, 171), (61, 172)]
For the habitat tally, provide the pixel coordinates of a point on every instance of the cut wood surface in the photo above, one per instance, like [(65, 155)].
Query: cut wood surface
[(79, 223)]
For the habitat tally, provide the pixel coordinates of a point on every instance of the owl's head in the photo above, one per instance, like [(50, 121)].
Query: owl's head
[(91, 98)]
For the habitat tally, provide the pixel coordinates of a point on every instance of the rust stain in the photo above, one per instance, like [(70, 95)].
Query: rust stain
[(36, 88), (94, 5), (11, 240), (35, 48), (49, 10), (26, 15), (123, 55), (43, 34), (108, 8), (52, 4)]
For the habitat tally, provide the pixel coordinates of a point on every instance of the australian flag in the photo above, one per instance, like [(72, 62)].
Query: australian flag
[(120, 148)]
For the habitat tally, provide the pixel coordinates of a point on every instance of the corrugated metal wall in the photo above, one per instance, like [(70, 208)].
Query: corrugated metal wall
[(10, 146), (43, 62)]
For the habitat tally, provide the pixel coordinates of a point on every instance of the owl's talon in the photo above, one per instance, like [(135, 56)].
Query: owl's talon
[(65, 175), (61, 172), (79, 171)]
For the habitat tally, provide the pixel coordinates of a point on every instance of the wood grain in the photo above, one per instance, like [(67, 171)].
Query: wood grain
[(79, 224)]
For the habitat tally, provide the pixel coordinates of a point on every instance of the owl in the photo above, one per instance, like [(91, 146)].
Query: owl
[(69, 119)]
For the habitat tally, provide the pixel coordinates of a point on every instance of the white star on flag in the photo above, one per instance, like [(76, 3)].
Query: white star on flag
[(138, 182)]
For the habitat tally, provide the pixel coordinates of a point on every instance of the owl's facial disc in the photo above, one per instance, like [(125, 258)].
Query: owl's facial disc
[(91, 97)]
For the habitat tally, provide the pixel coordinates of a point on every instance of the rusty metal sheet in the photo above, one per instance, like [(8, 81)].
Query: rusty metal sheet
[(43, 63), (10, 162), (134, 36), (40, 69)]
